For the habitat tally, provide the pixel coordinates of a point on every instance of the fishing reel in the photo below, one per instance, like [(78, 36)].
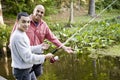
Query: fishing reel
[(54, 59)]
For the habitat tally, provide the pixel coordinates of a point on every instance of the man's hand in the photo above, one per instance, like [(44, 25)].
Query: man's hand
[(68, 49)]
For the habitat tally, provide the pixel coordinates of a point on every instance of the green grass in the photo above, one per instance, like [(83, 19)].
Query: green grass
[(105, 15)]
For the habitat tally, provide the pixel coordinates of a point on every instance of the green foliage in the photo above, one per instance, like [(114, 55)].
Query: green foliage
[(102, 4), (101, 34), (51, 6), (4, 34), (14, 7)]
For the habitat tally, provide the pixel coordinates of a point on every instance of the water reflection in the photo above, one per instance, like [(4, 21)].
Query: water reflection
[(5, 68), (115, 71), (84, 68), (74, 68), (94, 68)]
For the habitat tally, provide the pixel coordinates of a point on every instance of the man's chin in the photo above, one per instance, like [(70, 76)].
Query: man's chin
[(38, 18), (25, 29)]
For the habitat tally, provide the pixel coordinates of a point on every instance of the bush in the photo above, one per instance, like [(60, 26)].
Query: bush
[(4, 34), (102, 4)]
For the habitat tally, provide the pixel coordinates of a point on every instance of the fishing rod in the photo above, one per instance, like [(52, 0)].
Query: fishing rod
[(54, 51)]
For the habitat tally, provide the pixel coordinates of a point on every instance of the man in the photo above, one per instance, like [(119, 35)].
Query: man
[(39, 31), (21, 51)]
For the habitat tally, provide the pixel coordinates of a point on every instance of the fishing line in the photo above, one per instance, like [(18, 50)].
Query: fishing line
[(83, 27)]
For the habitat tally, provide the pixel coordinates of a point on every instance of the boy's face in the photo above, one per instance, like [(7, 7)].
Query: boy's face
[(24, 23)]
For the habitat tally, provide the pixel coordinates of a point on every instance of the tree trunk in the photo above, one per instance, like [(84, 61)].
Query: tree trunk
[(91, 11), (1, 17), (79, 5), (71, 12)]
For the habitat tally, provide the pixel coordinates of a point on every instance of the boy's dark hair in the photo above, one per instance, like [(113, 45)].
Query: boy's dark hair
[(22, 14)]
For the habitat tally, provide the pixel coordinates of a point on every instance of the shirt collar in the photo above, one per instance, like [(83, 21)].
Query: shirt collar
[(40, 22)]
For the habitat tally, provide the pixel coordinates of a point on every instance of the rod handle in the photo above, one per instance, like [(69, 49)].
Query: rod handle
[(54, 51)]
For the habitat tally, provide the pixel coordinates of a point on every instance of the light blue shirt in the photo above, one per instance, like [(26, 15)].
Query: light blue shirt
[(22, 53)]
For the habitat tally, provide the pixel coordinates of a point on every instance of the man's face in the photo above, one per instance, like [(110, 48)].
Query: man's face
[(24, 23), (38, 13)]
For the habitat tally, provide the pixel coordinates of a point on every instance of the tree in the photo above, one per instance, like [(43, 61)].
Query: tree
[(1, 17), (91, 10), (71, 13), (4, 44)]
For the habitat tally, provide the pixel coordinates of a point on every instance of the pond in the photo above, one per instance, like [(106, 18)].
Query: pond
[(74, 67)]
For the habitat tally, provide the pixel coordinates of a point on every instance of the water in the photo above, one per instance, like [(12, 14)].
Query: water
[(5, 69), (73, 67)]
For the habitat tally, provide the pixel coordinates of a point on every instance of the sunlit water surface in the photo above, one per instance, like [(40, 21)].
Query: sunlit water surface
[(73, 67)]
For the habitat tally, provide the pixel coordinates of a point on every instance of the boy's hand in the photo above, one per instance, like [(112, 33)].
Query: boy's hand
[(49, 56), (45, 46)]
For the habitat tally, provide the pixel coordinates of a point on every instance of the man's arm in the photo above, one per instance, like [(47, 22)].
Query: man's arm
[(51, 37)]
